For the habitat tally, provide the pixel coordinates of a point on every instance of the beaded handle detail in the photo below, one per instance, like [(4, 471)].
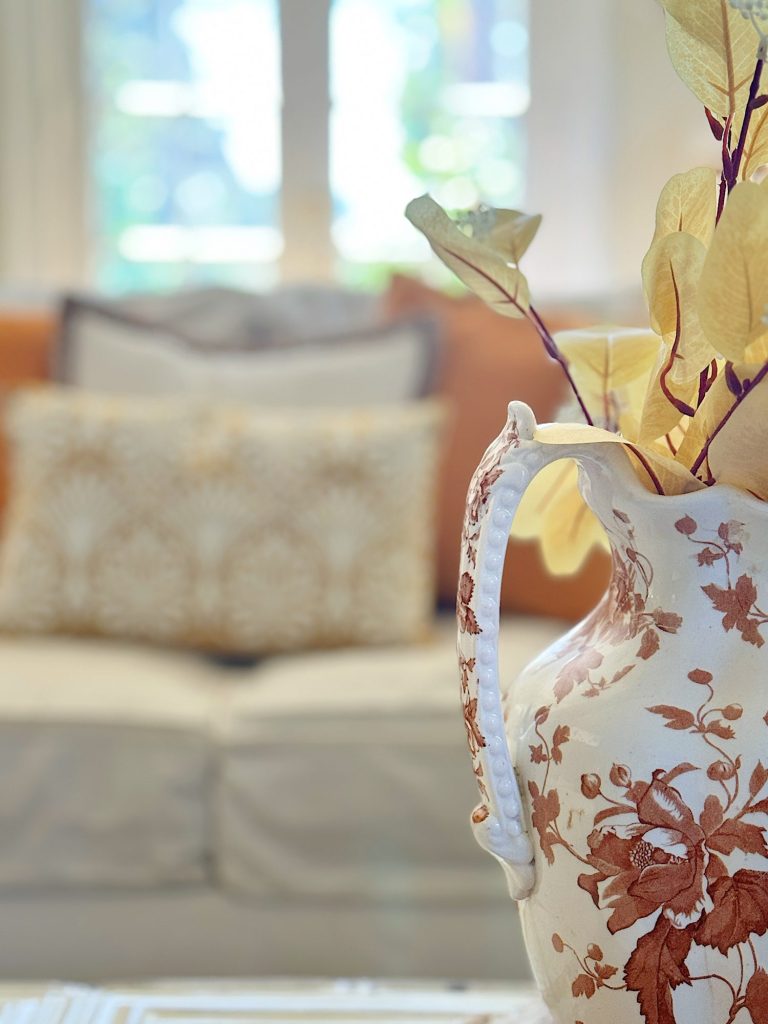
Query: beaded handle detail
[(495, 493)]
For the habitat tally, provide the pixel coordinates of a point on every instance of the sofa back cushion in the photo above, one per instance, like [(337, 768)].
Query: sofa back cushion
[(216, 317), (217, 526), (104, 348)]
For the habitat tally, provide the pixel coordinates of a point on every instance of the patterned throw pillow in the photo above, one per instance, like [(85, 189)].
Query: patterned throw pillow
[(218, 527)]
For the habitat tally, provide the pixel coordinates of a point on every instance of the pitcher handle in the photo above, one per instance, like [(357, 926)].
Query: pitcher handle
[(495, 493)]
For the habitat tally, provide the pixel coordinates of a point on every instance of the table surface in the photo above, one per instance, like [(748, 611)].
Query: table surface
[(272, 1001)]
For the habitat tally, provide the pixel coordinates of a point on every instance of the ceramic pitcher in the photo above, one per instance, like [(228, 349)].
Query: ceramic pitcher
[(623, 777)]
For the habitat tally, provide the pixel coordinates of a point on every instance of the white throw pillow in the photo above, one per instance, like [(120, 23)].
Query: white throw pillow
[(105, 349)]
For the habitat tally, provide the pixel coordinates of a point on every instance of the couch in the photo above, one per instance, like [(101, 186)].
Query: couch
[(166, 815), (168, 812)]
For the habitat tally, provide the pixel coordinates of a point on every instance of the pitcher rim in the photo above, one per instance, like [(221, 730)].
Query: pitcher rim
[(617, 453)]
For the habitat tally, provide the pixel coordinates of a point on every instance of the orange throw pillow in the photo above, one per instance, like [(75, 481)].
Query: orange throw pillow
[(488, 360), (26, 352)]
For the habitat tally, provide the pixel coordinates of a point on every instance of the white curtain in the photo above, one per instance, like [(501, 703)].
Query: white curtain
[(609, 123), (305, 201), (43, 223)]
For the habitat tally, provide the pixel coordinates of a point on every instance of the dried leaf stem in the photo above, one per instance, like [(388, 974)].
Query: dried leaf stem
[(722, 193), (676, 402), (707, 378), (646, 466), (554, 352), (533, 317), (752, 104)]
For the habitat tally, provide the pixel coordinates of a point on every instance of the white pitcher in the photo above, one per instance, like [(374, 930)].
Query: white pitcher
[(622, 776)]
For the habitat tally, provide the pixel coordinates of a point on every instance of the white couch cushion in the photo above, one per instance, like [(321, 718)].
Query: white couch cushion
[(345, 775), (106, 759), (331, 776)]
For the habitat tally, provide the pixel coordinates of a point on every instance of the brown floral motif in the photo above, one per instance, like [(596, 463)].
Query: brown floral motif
[(740, 910), (546, 804), (475, 739), (737, 600), (479, 777), (544, 814), (756, 997), (656, 968), (650, 858), (657, 862), (486, 475), (464, 613), (595, 974), (623, 616), (544, 752), (738, 603)]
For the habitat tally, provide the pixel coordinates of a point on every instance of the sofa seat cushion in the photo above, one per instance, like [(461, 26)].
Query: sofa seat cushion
[(344, 776), (106, 760)]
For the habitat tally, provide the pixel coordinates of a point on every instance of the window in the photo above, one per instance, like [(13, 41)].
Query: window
[(185, 142), (427, 95), (185, 109)]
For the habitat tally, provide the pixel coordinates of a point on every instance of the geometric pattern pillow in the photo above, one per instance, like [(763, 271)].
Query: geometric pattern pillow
[(218, 527)]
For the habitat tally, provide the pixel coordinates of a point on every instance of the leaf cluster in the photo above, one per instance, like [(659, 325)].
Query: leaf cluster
[(687, 397)]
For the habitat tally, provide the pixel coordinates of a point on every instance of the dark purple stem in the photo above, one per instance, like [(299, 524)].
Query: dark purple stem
[(738, 153), (707, 378), (676, 402), (647, 467), (554, 352), (530, 314), (721, 197)]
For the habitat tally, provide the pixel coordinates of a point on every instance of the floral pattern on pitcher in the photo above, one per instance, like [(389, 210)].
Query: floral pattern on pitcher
[(737, 600), (652, 858), (647, 899), (624, 616), (487, 473)]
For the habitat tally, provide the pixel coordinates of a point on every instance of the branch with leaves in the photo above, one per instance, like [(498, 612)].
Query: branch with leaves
[(688, 396), (483, 249)]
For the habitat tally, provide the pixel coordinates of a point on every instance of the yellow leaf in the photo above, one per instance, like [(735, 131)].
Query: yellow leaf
[(756, 147), (610, 366), (660, 416), (634, 403), (714, 51), (688, 202), (714, 407), (554, 512), (671, 272), (479, 266), (672, 269), (757, 352), (733, 291), (511, 233), (739, 441)]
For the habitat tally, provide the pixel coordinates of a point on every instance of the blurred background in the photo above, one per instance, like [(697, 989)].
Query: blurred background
[(162, 144), (241, 406)]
